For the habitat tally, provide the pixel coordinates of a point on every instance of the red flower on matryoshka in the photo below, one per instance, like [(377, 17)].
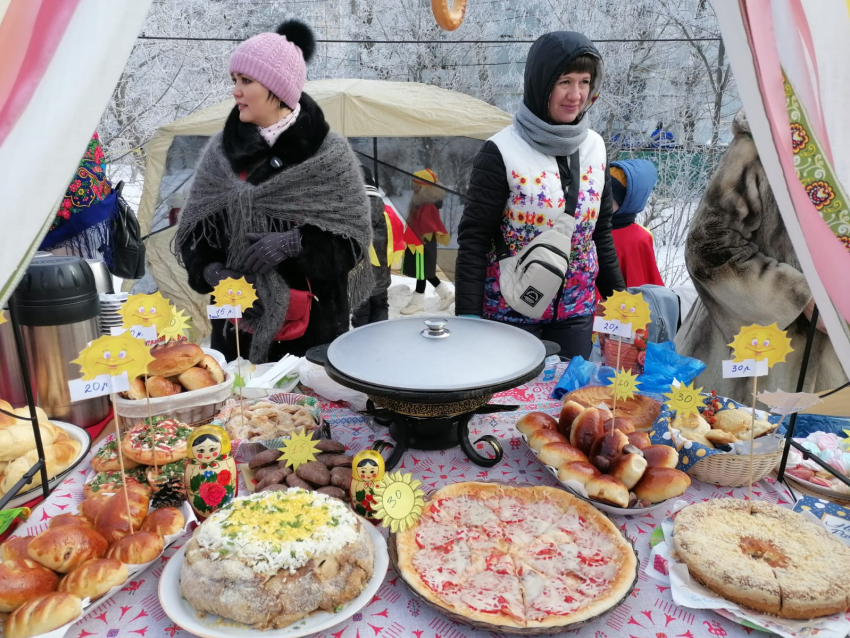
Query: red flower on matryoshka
[(211, 493), (223, 477)]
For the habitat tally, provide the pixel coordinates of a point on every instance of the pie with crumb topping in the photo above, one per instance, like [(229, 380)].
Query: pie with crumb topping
[(770, 559)]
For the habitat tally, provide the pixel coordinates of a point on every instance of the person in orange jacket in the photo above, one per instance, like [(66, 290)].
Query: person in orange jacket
[(632, 182)]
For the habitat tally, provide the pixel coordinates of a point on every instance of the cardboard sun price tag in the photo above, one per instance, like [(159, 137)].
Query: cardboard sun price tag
[(745, 368), (399, 501), (612, 327), (101, 385), (224, 312)]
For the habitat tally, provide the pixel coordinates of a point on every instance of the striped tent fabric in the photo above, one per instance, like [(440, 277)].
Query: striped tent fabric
[(789, 58), (61, 62)]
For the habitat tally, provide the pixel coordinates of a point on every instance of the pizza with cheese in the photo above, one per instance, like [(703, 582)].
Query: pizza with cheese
[(163, 442), (106, 458), (110, 482), (516, 556)]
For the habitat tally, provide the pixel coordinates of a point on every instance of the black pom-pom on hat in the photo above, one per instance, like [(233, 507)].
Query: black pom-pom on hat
[(300, 35)]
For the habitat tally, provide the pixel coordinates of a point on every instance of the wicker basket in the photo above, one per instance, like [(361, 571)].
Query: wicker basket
[(733, 470)]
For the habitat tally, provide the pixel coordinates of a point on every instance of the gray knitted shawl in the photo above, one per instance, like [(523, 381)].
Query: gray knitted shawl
[(325, 191)]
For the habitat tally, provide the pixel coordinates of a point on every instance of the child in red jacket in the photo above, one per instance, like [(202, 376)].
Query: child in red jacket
[(632, 182)]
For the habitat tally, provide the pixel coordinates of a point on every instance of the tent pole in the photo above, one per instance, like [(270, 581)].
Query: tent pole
[(375, 160), (810, 337)]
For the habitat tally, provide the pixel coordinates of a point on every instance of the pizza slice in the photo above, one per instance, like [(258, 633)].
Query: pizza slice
[(494, 593), (106, 458), (524, 517), (110, 482), (548, 599), (159, 443)]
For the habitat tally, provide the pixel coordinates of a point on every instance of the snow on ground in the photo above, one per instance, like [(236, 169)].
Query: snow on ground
[(400, 291)]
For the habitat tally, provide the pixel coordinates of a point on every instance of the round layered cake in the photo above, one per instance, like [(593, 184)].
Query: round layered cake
[(269, 559), (770, 559)]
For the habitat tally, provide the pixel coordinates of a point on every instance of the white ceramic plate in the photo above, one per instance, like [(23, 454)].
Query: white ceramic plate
[(182, 613), (75, 433)]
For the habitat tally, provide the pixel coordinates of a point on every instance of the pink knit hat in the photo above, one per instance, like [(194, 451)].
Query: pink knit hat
[(278, 61)]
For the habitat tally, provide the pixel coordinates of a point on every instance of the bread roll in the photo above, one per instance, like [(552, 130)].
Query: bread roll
[(162, 387), (661, 456), (15, 548), (735, 421), (559, 454), (42, 614), (70, 520), (569, 412), (629, 469), (535, 421), (660, 483), (137, 391), (173, 359), (622, 423), (23, 580), (94, 578), (64, 548), (112, 521), (24, 413), (136, 549), (164, 521), (577, 471), (5, 419), (540, 437), (196, 379), (211, 365), (719, 437), (90, 507), (16, 440), (639, 439), (58, 457), (587, 427), (608, 489), (607, 450)]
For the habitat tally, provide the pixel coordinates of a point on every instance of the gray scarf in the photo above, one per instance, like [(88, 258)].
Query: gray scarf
[(557, 140), (325, 191)]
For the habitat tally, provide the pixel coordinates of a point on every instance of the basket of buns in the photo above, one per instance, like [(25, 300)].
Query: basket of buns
[(715, 443), (183, 381)]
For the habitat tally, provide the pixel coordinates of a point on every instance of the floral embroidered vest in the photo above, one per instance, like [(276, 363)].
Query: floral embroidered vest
[(535, 201)]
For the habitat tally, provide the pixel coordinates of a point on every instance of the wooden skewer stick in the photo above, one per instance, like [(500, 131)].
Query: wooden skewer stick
[(239, 372), (115, 418), (752, 431), (150, 424), (619, 344)]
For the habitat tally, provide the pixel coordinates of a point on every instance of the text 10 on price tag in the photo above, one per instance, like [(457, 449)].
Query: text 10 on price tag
[(612, 327), (745, 368), (224, 312), (98, 387), (147, 333)]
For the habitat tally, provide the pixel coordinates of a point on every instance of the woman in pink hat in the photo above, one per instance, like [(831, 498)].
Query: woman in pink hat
[(279, 199)]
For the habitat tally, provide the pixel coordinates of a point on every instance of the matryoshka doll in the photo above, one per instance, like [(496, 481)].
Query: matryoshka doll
[(211, 480), (367, 471)]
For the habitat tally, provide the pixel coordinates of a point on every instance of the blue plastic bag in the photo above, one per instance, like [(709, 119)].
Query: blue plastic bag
[(663, 364), (581, 373)]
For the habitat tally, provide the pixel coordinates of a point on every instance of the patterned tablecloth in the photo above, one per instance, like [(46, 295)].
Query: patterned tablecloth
[(394, 612)]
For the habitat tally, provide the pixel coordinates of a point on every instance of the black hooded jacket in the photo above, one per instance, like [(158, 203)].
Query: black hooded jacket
[(488, 191), (325, 258)]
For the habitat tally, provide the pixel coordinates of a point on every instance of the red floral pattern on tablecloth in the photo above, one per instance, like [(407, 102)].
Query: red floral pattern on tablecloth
[(394, 612)]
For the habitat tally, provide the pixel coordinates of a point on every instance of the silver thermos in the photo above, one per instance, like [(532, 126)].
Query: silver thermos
[(58, 307)]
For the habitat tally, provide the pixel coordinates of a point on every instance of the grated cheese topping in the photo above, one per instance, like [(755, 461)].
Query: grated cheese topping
[(272, 531)]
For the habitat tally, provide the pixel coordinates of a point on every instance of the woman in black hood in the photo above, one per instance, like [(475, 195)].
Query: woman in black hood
[(545, 169)]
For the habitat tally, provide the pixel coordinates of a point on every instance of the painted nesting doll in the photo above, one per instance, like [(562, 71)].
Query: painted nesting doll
[(367, 471), (211, 480)]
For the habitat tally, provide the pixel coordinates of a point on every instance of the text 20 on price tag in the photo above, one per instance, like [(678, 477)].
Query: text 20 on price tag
[(224, 312), (745, 368), (101, 385), (612, 327), (147, 333), (399, 501)]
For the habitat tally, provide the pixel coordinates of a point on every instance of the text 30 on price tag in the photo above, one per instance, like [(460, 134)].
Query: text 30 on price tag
[(745, 368), (98, 387), (224, 312), (612, 327)]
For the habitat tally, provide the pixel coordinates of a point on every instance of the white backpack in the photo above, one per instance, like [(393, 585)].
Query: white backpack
[(533, 278)]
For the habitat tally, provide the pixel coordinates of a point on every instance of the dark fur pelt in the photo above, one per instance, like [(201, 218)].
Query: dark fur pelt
[(744, 267)]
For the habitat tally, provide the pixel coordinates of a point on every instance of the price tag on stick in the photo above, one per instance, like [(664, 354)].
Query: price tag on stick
[(121, 356), (625, 385), (746, 368), (224, 312), (299, 449), (399, 501), (684, 399), (101, 385), (612, 327)]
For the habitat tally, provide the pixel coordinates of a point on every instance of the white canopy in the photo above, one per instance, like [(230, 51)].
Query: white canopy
[(354, 108)]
